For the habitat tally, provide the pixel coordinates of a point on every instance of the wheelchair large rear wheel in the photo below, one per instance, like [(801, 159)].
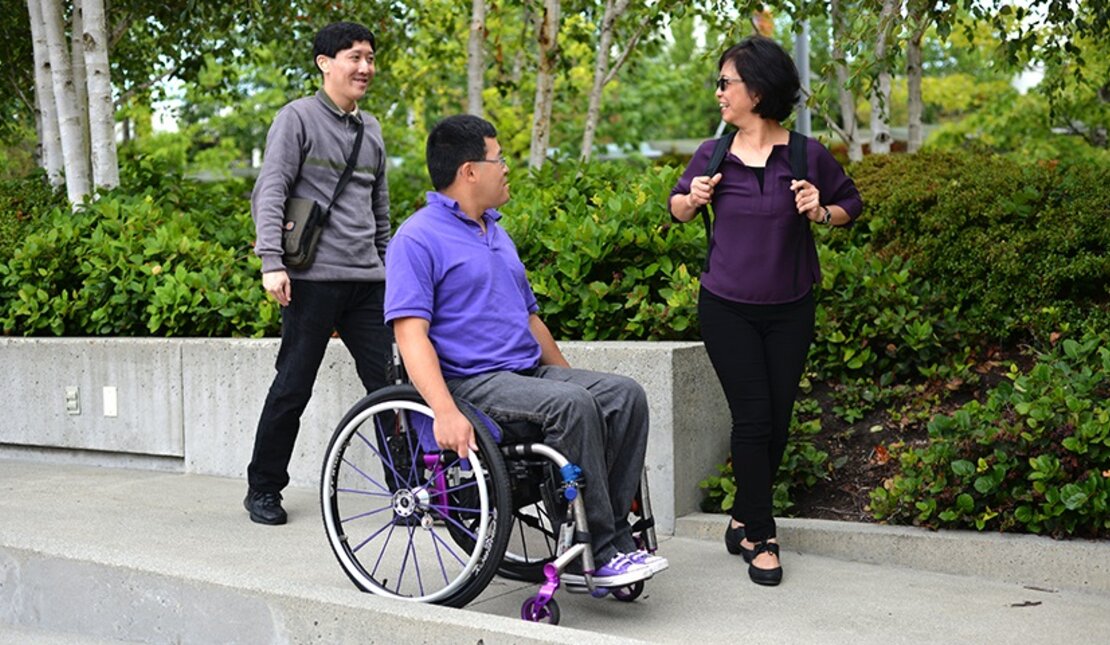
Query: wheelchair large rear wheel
[(405, 520)]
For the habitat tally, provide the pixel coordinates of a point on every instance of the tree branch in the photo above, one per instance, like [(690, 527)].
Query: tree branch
[(615, 67), (124, 97), (826, 116), (118, 30), (16, 85)]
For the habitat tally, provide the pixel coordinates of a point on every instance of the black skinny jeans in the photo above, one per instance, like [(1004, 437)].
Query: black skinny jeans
[(759, 353), (355, 310)]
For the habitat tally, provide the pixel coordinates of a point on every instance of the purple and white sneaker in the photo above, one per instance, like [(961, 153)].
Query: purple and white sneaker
[(656, 563), (621, 571)]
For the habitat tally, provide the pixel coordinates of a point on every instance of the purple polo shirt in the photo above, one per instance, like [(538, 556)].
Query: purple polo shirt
[(470, 286), (762, 250)]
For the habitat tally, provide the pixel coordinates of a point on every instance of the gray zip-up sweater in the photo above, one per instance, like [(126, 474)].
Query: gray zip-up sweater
[(306, 151)]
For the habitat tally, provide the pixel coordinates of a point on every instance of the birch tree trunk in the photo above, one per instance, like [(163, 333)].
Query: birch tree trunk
[(880, 87), (548, 34), (77, 61), (74, 159), (613, 10), (516, 72), (603, 71), (913, 81), (50, 141), (916, 103), (847, 99), (475, 64), (102, 112)]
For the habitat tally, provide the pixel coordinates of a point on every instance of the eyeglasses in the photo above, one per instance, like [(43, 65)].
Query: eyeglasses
[(500, 159), (722, 82)]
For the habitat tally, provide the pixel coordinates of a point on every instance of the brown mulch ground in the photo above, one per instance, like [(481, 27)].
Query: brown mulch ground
[(862, 448)]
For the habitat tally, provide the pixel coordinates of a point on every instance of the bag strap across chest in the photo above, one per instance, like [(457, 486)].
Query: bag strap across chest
[(799, 167)]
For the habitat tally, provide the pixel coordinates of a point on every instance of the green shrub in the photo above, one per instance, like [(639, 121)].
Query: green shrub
[(22, 204), (603, 258), (1004, 242), (1024, 128), (877, 319), (160, 255), (1035, 456)]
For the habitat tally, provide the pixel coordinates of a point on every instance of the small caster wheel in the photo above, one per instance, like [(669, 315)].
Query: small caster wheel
[(599, 592), (533, 611), (629, 593)]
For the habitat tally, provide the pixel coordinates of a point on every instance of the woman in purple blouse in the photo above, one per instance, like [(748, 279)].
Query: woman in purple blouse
[(756, 302)]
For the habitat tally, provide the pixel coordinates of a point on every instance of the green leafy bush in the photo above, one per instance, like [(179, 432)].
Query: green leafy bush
[(877, 319), (22, 204), (1035, 456), (1017, 249), (603, 258), (1024, 127), (161, 255)]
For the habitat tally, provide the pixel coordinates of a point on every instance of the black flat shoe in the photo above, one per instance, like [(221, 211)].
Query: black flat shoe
[(733, 537), (766, 577)]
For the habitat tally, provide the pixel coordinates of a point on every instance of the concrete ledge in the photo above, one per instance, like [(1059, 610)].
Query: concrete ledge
[(108, 554), (197, 401), (1033, 560), (113, 601)]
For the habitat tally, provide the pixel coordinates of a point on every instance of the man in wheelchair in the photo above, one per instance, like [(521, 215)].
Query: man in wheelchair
[(464, 318)]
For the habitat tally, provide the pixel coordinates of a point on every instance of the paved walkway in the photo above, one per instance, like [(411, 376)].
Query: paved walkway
[(92, 555)]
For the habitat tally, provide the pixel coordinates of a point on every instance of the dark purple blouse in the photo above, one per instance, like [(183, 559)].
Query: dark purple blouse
[(762, 251)]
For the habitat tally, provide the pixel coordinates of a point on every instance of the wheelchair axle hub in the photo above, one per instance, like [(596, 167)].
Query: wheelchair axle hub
[(406, 502)]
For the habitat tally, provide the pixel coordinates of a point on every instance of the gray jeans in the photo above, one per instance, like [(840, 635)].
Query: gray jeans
[(598, 421)]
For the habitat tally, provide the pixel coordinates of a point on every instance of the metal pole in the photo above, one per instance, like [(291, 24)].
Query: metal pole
[(801, 61)]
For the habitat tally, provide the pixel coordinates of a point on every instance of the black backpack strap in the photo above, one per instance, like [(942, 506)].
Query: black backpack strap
[(347, 172), (799, 162), (719, 152), (799, 167)]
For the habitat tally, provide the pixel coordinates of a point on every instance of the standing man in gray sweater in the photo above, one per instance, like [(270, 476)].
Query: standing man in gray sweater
[(306, 151)]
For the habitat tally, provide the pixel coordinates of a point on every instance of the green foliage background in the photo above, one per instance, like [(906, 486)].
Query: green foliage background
[(957, 252)]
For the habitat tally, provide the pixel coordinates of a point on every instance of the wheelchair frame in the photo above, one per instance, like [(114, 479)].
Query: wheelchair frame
[(454, 508)]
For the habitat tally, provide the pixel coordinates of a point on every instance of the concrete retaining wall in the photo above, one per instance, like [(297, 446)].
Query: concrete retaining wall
[(193, 404)]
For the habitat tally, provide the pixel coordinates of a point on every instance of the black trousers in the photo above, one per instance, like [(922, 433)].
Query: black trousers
[(355, 310), (759, 353)]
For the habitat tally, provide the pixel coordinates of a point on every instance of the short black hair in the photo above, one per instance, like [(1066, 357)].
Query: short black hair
[(453, 142), (768, 72), (338, 36)]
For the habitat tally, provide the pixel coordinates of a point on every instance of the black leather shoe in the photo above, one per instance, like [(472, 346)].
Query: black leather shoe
[(767, 577), (733, 537), (265, 508)]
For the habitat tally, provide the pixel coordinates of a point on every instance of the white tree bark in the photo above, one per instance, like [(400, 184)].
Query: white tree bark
[(880, 87), (475, 63), (50, 141), (77, 61), (919, 19), (548, 33), (102, 112), (849, 130), (613, 10), (75, 161), (916, 102)]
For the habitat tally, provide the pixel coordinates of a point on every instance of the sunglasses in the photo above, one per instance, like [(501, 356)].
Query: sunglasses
[(722, 82)]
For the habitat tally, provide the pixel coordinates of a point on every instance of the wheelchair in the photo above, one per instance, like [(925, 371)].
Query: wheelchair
[(410, 521)]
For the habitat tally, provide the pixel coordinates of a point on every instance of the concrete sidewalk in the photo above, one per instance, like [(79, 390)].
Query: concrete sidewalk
[(96, 555)]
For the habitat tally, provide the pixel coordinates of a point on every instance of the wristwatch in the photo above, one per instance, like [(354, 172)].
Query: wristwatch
[(828, 215)]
